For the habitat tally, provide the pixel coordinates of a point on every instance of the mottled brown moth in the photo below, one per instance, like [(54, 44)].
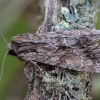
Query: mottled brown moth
[(75, 49)]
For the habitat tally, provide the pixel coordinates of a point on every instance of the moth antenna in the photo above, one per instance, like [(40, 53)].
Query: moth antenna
[(3, 65), (3, 37)]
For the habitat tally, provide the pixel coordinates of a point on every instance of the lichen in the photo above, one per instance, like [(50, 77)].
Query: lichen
[(81, 14), (66, 84)]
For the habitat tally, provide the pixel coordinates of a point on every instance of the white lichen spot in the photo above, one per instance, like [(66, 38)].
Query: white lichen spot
[(57, 27), (66, 24), (64, 9)]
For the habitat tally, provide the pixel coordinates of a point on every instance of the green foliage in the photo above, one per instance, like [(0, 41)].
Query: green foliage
[(12, 65)]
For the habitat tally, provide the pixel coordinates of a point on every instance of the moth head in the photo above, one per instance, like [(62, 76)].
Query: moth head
[(11, 50)]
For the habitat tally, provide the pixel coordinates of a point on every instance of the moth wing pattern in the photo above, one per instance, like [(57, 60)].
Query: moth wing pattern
[(76, 49)]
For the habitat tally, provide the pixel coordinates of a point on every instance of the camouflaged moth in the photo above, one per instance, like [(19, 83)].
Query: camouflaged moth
[(75, 49)]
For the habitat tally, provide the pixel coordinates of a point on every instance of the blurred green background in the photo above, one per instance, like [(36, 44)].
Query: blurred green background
[(17, 17)]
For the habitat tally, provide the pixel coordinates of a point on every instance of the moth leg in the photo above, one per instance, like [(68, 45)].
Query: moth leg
[(37, 66), (27, 68)]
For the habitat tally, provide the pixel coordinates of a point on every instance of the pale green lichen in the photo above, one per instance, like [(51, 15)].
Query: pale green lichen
[(78, 2), (66, 84), (81, 14), (64, 11), (69, 17), (63, 25)]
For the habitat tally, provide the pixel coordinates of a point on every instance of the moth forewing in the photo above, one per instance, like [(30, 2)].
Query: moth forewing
[(73, 49)]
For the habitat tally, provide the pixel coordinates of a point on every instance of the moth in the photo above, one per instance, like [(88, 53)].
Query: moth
[(75, 49)]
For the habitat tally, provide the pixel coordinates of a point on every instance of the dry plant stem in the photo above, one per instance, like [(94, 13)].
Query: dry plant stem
[(64, 59), (49, 8), (52, 8)]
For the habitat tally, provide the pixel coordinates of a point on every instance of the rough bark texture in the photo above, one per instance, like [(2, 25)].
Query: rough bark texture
[(64, 59), (50, 87)]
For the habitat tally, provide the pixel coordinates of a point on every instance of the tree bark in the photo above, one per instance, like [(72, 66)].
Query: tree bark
[(58, 83)]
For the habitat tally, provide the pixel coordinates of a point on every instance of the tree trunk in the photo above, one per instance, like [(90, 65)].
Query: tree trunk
[(59, 83)]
